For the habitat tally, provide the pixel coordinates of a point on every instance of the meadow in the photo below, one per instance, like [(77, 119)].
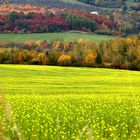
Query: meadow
[(53, 36), (48, 102)]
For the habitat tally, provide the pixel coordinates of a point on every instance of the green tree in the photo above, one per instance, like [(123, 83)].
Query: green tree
[(13, 16), (98, 59)]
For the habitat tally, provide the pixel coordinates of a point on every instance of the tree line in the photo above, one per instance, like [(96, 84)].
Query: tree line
[(105, 3), (120, 53)]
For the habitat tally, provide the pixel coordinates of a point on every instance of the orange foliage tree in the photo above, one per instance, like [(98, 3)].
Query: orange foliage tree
[(64, 60), (90, 58)]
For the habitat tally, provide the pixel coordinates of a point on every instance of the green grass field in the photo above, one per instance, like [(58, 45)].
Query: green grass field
[(52, 36), (47, 102)]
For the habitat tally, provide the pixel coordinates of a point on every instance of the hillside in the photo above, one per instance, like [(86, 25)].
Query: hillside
[(123, 14), (73, 4), (105, 3), (28, 18), (88, 5), (113, 3)]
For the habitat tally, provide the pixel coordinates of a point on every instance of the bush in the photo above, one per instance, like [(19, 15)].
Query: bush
[(42, 59), (98, 59), (102, 32), (90, 59), (64, 60), (52, 58)]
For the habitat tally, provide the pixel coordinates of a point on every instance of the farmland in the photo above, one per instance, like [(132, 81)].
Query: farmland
[(52, 36), (70, 103), (69, 70)]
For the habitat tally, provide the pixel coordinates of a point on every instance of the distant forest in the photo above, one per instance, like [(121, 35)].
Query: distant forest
[(108, 3)]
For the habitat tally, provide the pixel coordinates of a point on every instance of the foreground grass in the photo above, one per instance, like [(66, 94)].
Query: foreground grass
[(52, 36), (70, 103)]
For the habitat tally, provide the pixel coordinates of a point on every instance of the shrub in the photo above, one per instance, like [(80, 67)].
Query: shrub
[(57, 45), (66, 45), (64, 60), (90, 59), (20, 56), (42, 59), (81, 42), (38, 43), (52, 58), (98, 59)]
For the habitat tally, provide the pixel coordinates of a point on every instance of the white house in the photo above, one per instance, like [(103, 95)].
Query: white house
[(94, 13)]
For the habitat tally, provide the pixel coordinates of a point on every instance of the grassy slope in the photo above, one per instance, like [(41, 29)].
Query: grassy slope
[(47, 79), (52, 36), (72, 103)]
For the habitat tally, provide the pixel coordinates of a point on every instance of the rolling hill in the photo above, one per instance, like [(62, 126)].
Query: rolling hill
[(88, 5), (125, 13), (72, 4)]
